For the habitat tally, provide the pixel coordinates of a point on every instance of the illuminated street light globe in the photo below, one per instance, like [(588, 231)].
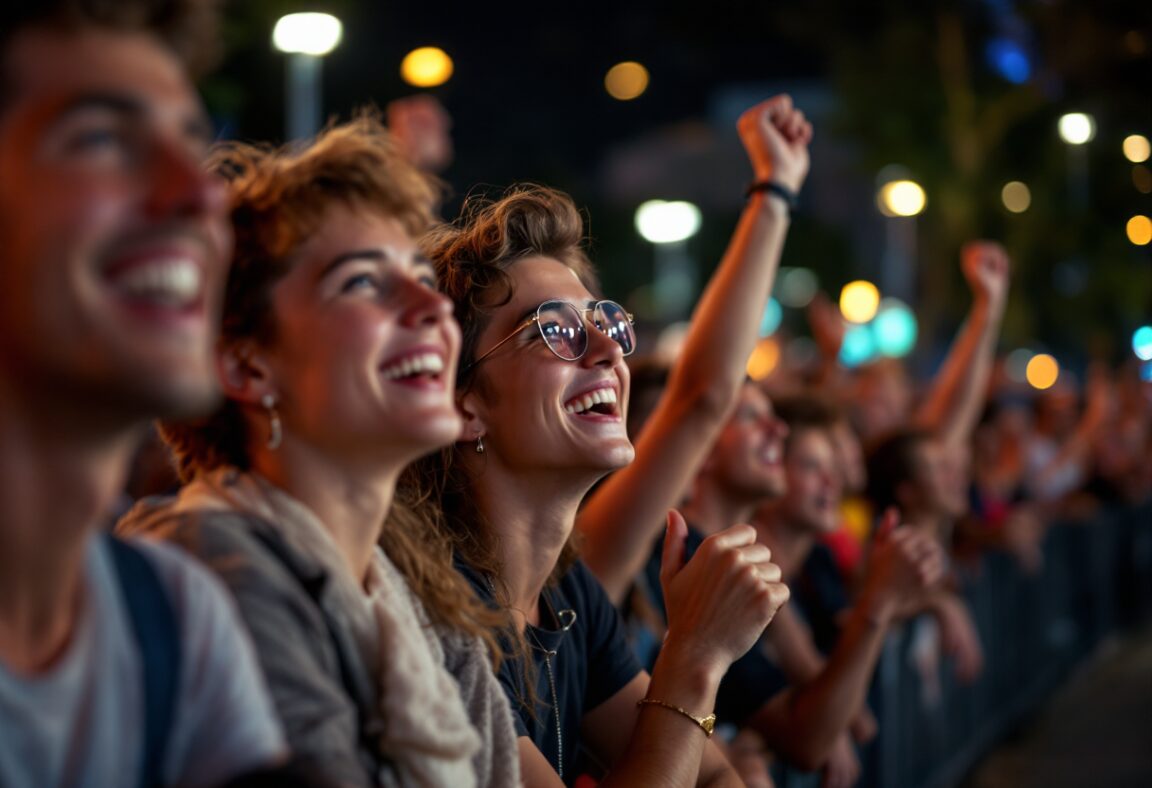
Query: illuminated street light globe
[(307, 34), (1077, 128), (666, 222), (901, 198)]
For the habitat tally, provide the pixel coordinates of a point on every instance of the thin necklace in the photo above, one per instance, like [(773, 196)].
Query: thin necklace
[(565, 625)]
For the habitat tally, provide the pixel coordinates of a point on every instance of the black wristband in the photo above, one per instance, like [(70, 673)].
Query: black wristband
[(790, 198)]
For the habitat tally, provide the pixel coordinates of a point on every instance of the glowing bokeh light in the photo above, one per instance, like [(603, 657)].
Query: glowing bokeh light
[(901, 198), (1010, 60), (1077, 128), (1042, 371), (797, 287), (307, 34), (664, 222), (1142, 343), (1140, 230), (427, 67), (894, 328), (1017, 196), (765, 356), (773, 314), (626, 81), (859, 346), (1137, 149), (859, 301)]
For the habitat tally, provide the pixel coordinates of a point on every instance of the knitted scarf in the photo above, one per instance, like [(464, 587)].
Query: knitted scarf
[(426, 732)]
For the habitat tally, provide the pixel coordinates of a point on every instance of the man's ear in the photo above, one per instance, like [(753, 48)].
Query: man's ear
[(244, 372), (471, 409)]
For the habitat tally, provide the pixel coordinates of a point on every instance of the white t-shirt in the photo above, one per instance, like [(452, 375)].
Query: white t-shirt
[(81, 723)]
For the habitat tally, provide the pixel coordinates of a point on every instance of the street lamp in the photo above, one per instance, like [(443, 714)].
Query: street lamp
[(306, 38), (668, 225), (1077, 129), (901, 200)]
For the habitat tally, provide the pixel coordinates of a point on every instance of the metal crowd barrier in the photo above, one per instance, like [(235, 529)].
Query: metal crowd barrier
[(1096, 581)]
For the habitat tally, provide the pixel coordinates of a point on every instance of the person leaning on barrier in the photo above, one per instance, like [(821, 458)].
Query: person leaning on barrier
[(120, 664)]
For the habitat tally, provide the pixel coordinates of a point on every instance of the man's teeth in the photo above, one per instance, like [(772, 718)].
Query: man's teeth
[(586, 402), (174, 281), (429, 363), (772, 454)]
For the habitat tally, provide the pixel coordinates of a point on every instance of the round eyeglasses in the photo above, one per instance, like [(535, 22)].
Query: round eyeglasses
[(561, 324)]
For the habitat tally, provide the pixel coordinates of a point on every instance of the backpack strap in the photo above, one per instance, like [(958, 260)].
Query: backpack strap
[(158, 639)]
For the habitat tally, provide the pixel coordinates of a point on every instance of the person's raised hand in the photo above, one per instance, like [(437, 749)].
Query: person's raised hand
[(904, 564), (776, 135), (719, 601), (987, 269)]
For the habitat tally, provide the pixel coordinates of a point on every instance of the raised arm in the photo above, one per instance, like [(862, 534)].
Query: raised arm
[(953, 405), (623, 517)]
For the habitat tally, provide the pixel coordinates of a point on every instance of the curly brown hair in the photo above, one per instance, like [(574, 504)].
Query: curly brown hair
[(279, 196)]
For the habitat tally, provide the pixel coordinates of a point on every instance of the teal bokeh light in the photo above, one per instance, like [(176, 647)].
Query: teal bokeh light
[(894, 329), (1142, 343), (773, 314), (859, 346)]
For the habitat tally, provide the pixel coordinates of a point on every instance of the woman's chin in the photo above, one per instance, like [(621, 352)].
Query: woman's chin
[(428, 434)]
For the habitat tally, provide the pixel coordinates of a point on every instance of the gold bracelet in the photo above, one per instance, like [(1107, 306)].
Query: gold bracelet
[(707, 724)]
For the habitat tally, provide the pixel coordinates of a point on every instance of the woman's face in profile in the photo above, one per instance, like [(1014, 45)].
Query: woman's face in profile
[(365, 349)]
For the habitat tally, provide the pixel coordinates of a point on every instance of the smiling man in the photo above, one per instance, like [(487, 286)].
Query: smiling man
[(119, 664)]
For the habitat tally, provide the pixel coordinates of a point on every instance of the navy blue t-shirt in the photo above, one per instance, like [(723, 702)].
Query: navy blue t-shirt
[(581, 639), (751, 680)]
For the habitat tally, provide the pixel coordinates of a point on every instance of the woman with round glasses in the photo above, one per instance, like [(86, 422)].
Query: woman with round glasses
[(337, 359), (543, 392)]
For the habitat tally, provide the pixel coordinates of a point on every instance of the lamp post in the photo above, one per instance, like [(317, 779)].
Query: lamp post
[(306, 38), (668, 226), (901, 200), (1077, 129)]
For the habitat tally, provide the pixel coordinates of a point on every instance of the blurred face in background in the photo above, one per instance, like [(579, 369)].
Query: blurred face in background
[(939, 486), (748, 459), (814, 487), (849, 457)]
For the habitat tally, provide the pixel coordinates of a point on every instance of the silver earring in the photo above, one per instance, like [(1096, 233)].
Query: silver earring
[(479, 444), (275, 434)]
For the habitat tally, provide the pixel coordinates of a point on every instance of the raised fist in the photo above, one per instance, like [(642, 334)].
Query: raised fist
[(986, 267), (776, 137)]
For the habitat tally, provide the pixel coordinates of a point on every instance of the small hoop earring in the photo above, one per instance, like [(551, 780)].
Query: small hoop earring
[(479, 444), (275, 433)]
